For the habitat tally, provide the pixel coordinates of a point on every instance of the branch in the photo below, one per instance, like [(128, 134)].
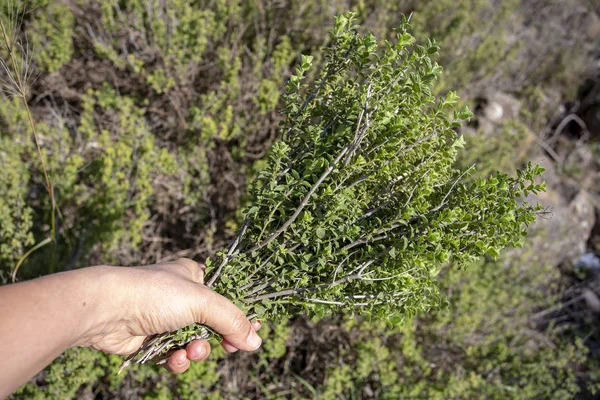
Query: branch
[(261, 287), (389, 160), (230, 253), (336, 303), (443, 202), (291, 292), (390, 277), (359, 134), (364, 239), (342, 263), (281, 293), (571, 117), (302, 204)]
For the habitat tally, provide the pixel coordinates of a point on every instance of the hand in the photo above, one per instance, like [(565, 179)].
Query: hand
[(141, 301)]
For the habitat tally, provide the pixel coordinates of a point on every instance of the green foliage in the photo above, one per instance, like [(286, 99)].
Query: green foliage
[(479, 26), (275, 344), (15, 214), (509, 145), (505, 355), (485, 345), (50, 28), (116, 187), (51, 36), (180, 31), (74, 370), (197, 381), (359, 206), (105, 199)]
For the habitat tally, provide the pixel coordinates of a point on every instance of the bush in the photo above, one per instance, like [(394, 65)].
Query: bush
[(359, 205), (15, 214), (486, 344)]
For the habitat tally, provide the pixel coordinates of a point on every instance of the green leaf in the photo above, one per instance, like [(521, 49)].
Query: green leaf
[(320, 233)]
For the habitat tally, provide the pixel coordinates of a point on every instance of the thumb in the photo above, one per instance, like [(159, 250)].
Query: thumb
[(224, 317)]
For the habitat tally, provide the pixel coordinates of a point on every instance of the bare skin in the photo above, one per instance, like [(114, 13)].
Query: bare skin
[(112, 309)]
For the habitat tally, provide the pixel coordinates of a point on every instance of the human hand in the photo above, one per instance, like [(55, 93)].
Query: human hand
[(141, 301)]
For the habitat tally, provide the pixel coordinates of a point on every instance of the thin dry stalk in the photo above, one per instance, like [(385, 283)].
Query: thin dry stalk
[(19, 85)]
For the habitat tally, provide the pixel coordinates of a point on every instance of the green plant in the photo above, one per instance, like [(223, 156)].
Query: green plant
[(51, 36), (15, 214), (359, 205), (105, 198), (486, 344), (15, 78), (508, 146), (178, 31)]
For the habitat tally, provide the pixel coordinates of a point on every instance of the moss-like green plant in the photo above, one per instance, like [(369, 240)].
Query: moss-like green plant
[(104, 197), (360, 205), (484, 345), (15, 215), (15, 79), (179, 32), (51, 36), (113, 187)]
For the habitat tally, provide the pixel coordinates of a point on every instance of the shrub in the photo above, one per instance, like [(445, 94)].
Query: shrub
[(359, 205), (104, 198), (51, 36), (15, 214), (486, 344)]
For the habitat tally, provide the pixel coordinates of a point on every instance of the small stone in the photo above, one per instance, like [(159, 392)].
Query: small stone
[(588, 261), (592, 300)]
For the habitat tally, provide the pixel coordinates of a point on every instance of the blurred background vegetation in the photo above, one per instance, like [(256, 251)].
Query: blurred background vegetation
[(153, 115)]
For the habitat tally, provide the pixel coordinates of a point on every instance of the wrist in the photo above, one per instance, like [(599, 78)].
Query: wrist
[(98, 302)]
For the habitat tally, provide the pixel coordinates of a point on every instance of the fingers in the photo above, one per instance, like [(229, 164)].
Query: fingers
[(178, 362), (198, 350), (196, 271), (228, 347), (224, 317), (185, 268)]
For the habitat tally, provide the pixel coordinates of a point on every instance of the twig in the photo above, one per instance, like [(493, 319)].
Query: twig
[(342, 263), (569, 118), (550, 151), (302, 204), (229, 255), (22, 91), (359, 134), (390, 277), (443, 202)]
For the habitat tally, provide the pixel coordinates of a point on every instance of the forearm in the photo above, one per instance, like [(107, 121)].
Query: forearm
[(112, 309), (42, 318)]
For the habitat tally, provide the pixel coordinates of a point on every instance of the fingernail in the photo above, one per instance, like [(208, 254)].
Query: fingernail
[(254, 340)]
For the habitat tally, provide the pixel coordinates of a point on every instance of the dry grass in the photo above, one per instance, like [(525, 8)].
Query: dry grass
[(18, 77)]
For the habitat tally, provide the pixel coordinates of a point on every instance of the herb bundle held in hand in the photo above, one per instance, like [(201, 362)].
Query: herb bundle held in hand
[(359, 205)]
